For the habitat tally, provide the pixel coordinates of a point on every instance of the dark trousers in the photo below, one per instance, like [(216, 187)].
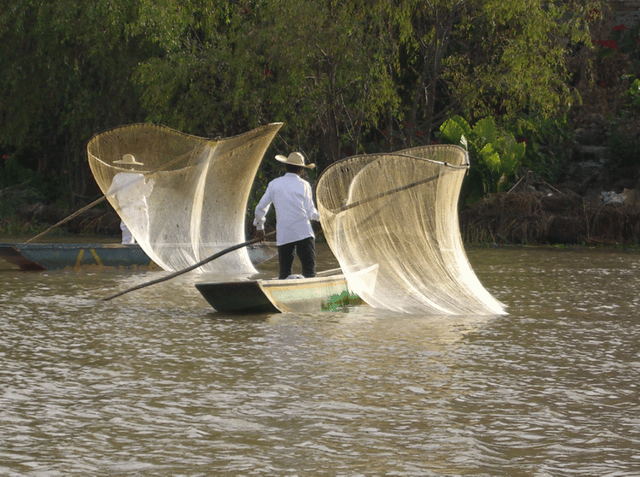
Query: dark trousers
[(306, 249)]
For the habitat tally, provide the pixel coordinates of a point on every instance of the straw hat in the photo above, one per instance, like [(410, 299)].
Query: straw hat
[(295, 159), (129, 160)]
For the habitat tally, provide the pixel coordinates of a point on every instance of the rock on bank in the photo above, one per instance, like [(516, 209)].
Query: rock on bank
[(542, 214)]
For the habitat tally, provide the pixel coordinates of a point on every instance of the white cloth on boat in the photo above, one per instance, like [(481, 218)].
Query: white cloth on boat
[(293, 200)]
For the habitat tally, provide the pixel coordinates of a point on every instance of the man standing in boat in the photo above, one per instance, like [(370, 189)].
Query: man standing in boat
[(292, 198), (131, 191)]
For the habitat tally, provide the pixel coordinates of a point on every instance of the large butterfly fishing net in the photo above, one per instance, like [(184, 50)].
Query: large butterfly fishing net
[(396, 214), (182, 197)]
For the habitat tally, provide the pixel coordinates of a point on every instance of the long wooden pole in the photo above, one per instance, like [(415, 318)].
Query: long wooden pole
[(63, 221), (384, 194), (192, 267)]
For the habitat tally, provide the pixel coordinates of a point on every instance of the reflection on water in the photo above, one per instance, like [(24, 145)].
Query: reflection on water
[(156, 383)]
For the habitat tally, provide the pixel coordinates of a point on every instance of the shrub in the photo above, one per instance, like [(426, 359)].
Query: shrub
[(495, 154)]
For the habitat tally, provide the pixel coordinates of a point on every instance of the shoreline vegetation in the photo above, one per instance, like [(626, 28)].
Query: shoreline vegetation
[(526, 218), (529, 215), (549, 110)]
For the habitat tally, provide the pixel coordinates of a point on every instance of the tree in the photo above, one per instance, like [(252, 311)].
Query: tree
[(65, 73), (485, 57), (330, 65), (189, 84), (318, 65), (345, 76)]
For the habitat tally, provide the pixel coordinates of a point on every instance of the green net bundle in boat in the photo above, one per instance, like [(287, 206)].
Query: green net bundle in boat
[(182, 197), (391, 220)]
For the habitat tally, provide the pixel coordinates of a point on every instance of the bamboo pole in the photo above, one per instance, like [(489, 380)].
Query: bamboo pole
[(192, 267)]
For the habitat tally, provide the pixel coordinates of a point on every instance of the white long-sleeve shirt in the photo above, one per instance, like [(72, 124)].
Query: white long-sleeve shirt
[(131, 191), (292, 197)]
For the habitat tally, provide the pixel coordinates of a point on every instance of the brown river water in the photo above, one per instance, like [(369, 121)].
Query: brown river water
[(155, 383)]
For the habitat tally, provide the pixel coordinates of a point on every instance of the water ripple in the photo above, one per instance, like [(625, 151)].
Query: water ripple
[(156, 384)]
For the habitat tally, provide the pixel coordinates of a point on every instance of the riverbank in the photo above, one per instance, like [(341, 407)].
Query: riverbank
[(30, 220), (536, 218), (547, 215), (543, 216), (590, 206)]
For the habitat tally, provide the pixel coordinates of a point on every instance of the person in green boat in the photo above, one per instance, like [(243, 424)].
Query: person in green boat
[(131, 190), (292, 198)]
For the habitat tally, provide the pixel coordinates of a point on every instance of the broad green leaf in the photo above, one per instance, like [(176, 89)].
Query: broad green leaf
[(486, 129), (454, 129)]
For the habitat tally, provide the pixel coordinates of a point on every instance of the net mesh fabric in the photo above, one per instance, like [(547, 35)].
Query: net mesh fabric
[(397, 213), (188, 199)]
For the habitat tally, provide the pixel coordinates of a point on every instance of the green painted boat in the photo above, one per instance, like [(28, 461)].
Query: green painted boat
[(279, 296), (55, 256)]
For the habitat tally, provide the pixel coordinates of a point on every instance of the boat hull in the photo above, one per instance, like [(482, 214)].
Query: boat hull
[(55, 256), (278, 296), (35, 257)]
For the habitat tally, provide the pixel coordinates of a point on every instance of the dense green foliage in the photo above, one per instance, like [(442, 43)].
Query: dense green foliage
[(345, 76), (496, 154)]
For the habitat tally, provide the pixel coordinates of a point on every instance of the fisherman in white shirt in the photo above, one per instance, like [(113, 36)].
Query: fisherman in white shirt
[(293, 201), (131, 189)]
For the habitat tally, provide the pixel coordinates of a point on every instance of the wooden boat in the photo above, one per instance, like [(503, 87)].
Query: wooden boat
[(54, 256), (328, 291), (40, 256), (276, 296)]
